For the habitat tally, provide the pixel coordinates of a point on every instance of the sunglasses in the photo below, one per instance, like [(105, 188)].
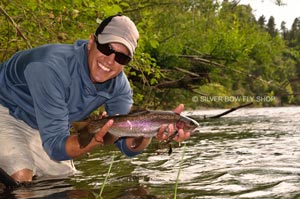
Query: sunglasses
[(107, 50)]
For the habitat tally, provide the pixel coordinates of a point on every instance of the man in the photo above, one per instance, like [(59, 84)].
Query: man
[(43, 90)]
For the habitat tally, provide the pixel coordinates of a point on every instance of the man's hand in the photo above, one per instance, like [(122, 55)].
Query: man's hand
[(99, 136), (166, 131), (73, 148)]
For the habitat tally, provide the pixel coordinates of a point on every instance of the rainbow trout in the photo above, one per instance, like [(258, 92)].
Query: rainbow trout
[(140, 124)]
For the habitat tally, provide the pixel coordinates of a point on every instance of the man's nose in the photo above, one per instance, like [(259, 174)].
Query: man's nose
[(111, 59)]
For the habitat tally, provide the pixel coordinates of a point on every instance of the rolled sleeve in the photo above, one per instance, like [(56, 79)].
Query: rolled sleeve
[(56, 148), (121, 144)]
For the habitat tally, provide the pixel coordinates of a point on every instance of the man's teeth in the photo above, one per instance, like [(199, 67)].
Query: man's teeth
[(103, 67)]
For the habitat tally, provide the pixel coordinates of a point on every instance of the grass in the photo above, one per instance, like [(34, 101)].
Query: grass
[(177, 178), (106, 177), (178, 174)]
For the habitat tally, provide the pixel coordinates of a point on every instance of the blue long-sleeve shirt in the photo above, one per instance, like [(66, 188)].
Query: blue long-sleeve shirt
[(49, 87)]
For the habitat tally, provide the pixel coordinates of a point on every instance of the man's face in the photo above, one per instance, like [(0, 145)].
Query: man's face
[(103, 67)]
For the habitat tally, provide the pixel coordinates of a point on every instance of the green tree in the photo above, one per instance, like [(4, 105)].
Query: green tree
[(187, 47), (271, 27)]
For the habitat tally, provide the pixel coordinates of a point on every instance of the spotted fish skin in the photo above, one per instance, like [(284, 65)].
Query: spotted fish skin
[(140, 124)]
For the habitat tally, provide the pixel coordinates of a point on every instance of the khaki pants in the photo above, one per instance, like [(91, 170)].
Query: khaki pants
[(21, 147)]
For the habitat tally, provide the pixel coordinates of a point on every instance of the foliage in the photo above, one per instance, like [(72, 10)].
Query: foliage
[(222, 48)]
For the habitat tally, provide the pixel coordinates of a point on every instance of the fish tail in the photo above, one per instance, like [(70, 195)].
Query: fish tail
[(84, 137)]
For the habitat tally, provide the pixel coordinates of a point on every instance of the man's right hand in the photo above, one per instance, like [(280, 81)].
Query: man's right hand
[(99, 136)]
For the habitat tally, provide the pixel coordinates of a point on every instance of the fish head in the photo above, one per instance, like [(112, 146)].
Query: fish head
[(187, 124)]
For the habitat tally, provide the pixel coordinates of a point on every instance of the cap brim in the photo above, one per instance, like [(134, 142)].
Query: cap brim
[(109, 38)]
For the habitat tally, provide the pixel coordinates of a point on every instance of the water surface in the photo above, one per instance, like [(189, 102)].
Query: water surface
[(249, 153)]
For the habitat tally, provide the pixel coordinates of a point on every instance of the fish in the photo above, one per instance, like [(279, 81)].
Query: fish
[(139, 124)]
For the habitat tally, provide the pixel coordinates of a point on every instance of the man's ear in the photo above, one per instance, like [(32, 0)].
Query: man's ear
[(90, 42)]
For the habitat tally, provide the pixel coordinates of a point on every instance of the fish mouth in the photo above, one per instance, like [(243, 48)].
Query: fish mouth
[(195, 130)]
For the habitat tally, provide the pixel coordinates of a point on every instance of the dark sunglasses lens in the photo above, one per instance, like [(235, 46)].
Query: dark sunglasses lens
[(122, 59), (107, 50)]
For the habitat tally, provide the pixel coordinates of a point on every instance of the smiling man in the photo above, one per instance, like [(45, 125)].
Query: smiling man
[(43, 90)]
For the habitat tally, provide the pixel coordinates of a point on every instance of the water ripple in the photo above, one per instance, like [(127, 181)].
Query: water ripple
[(252, 153)]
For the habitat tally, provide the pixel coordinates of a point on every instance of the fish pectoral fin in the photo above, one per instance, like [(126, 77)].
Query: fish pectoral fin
[(84, 137)]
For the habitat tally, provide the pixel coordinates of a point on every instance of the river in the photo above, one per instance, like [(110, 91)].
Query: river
[(249, 153)]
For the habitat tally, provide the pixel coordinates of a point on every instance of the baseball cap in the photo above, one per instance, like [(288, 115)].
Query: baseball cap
[(119, 29)]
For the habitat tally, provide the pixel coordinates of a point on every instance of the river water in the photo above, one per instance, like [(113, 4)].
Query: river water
[(249, 153)]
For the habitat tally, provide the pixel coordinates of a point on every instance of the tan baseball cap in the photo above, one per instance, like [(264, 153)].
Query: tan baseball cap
[(119, 29)]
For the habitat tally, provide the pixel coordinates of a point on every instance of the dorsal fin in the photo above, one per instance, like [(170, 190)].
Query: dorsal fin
[(137, 109), (139, 112)]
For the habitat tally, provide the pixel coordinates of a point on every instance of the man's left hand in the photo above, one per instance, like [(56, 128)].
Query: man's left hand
[(171, 129)]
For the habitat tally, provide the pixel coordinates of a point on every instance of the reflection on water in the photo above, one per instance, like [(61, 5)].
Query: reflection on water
[(249, 153)]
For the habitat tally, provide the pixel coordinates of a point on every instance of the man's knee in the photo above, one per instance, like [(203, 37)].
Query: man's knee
[(24, 175)]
